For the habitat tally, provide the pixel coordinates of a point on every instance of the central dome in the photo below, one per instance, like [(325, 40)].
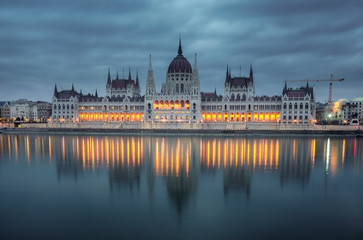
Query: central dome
[(180, 64)]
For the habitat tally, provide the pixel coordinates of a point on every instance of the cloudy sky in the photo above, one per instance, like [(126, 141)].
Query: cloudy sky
[(64, 42)]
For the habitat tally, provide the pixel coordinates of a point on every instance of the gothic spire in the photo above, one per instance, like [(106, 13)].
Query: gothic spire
[(137, 78), (55, 90), (72, 87), (150, 84), (251, 72), (129, 74), (150, 65), (215, 90), (180, 51), (117, 75), (227, 76), (285, 87), (96, 94), (195, 68), (307, 85), (108, 77)]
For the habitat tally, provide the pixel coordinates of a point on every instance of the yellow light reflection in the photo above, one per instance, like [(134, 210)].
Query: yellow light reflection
[(343, 151)]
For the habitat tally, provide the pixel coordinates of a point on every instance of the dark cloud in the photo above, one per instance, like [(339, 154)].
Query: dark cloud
[(64, 42)]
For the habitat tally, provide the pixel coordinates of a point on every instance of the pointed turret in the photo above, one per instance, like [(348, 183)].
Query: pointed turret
[(150, 84), (55, 90), (109, 77), (117, 75), (285, 87), (96, 94), (215, 90), (227, 75), (180, 51), (80, 92), (72, 87), (195, 69), (307, 85), (137, 79), (195, 78), (251, 73)]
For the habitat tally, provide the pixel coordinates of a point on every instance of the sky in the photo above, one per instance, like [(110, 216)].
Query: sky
[(45, 42)]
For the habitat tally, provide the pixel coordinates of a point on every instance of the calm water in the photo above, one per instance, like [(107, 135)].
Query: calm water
[(176, 188)]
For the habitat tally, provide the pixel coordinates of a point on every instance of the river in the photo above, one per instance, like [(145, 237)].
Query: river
[(125, 187)]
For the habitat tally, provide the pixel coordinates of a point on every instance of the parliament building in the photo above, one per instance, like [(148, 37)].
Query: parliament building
[(181, 100)]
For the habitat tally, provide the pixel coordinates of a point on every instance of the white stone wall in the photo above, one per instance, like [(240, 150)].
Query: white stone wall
[(65, 110)]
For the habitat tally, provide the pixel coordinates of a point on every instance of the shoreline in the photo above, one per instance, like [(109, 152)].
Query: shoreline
[(181, 132)]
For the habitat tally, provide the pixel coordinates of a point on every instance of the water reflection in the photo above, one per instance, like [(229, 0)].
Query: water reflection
[(180, 161)]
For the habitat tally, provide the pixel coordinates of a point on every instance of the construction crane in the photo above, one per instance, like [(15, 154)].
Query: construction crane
[(331, 80)]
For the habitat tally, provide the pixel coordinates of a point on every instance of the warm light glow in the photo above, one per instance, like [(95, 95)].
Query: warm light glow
[(255, 116), (208, 117), (267, 117), (219, 117), (261, 117)]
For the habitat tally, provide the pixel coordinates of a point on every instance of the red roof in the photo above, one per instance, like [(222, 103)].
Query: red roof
[(239, 81), (180, 65), (122, 84)]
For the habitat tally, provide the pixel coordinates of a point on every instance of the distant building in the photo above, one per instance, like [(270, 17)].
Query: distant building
[(353, 109), (23, 109), (44, 111), (321, 112), (4, 111), (181, 100)]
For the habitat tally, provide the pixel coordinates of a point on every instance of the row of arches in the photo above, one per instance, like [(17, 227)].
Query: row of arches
[(172, 104), (241, 117), (111, 116)]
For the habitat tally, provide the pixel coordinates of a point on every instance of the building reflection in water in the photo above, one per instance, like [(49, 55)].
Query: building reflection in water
[(179, 161)]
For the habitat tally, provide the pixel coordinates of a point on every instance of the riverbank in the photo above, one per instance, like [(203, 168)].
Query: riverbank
[(183, 132)]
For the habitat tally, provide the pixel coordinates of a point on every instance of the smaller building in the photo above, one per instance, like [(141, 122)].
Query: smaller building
[(4, 111), (321, 112), (353, 109), (44, 111), (23, 109)]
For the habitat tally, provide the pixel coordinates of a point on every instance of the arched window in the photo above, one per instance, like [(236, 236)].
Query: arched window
[(55, 107), (301, 106), (284, 106), (182, 87), (149, 106), (177, 88), (72, 106), (306, 106), (290, 106), (64, 106), (295, 106), (194, 106), (232, 96), (225, 107)]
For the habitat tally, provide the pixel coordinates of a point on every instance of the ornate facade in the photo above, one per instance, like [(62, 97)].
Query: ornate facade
[(181, 100)]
